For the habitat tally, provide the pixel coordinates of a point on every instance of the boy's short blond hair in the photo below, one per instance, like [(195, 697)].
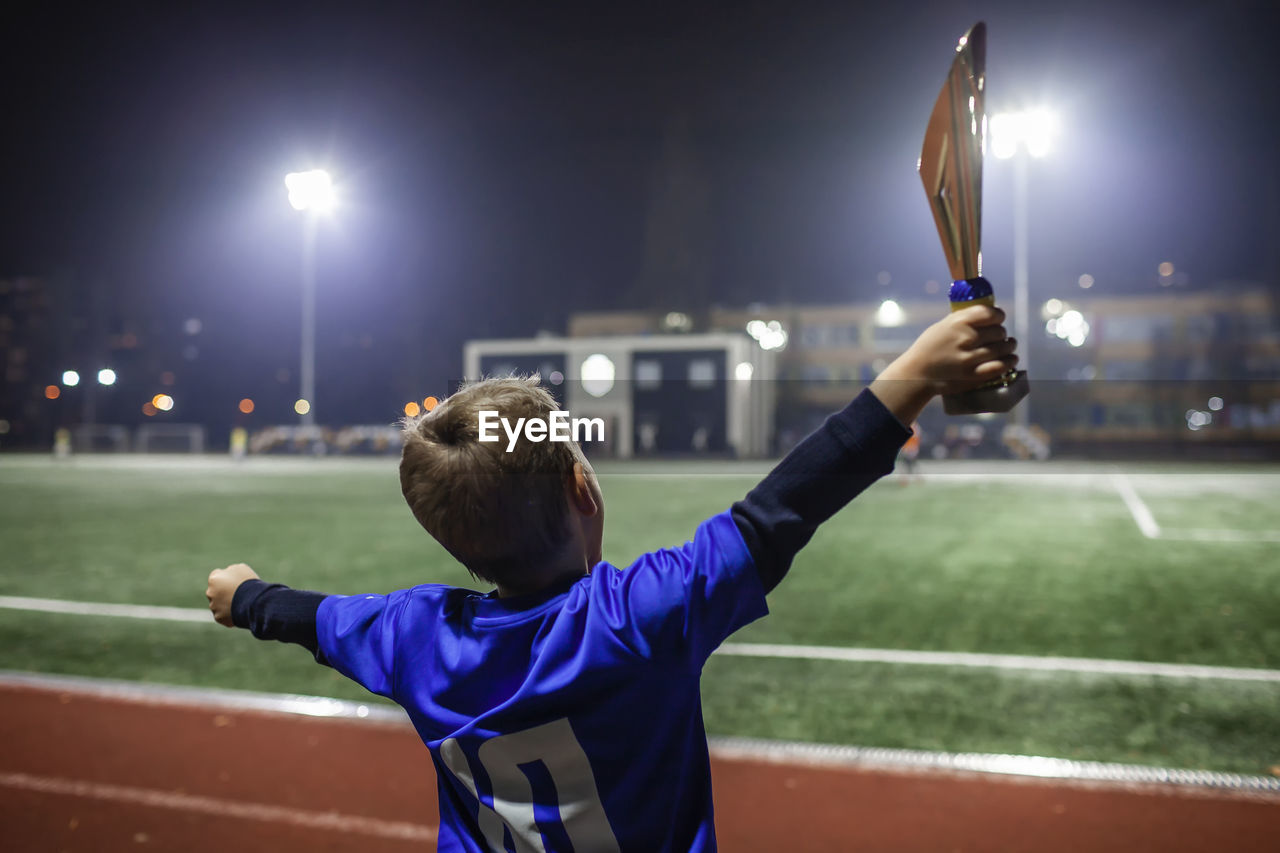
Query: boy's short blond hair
[(495, 511)]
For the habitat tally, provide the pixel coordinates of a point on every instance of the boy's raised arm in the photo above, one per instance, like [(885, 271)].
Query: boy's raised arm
[(857, 445), (239, 598)]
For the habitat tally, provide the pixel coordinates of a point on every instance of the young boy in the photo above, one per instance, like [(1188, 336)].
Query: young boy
[(562, 710)]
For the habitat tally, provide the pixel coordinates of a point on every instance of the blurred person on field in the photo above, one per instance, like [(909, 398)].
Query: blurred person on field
[(909, 456)]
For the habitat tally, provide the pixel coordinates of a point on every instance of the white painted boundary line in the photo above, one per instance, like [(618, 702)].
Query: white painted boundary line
[(215, 807), (208, 697), (730, 748), (1094, 666), (94, 608), (870, 758), (1147, 523)]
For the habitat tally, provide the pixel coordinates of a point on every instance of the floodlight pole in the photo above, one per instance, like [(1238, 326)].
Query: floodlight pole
[(311, 193), (307, 357), (1021, 306)]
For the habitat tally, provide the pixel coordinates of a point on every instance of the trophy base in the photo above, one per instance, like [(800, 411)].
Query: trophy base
[(1000, 397)]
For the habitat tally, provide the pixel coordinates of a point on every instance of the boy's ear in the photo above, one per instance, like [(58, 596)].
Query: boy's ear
[(580, 493)]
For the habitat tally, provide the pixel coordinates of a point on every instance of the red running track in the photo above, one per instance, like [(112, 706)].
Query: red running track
[(83, 773)]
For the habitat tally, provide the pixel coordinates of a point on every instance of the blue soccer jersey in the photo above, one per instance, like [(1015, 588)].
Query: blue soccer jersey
[(567, 719), (570, 718)]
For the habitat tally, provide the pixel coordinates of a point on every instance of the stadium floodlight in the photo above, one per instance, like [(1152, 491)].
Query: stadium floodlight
[(106, 376), (1032, 131), (70, 378), (312, 190)]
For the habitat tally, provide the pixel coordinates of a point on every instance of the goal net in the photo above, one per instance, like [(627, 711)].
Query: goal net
[(100, 438), (367, 440), (169, 438)]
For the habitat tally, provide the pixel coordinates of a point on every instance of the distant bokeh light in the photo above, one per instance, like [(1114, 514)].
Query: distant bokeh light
[(163, 402), (106, 376), (890, 313), (430, 403), (770, 335), (52, 392), (412, 410), (597, 374), (1070, 327), (148, 409), (302, 407), (246, 406), (70, 378)]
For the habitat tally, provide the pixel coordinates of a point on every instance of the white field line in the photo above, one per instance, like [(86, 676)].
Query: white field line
[(1210, 535), (215, 807), (94, 608), (1024, 662), (794, 652), (1141, 514), (1147, 523)]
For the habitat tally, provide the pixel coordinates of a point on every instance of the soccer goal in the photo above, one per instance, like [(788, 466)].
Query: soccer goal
[(100, 438), (358, 440), (169, 438)]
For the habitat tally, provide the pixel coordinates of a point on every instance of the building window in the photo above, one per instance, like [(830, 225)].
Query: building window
[(702, 373), (648, 374)]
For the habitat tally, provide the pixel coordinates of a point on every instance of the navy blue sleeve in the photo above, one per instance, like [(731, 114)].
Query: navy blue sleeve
[(273, 611), (851, 450)]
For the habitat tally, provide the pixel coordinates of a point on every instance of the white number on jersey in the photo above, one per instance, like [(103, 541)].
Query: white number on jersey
[(553, 744)]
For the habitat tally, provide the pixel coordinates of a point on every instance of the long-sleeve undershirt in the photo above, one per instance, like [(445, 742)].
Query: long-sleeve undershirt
[(833, 465), (851, 450), (273, 611)]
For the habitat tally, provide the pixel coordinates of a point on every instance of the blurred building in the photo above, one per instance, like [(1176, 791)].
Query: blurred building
[(52, 325), (1139, 375), (670, 395), (27, 349)]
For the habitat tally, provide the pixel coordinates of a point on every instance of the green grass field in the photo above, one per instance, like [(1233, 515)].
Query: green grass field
[(1032, 560)]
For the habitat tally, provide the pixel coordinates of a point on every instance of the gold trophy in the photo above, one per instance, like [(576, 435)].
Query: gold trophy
[(951, 168)]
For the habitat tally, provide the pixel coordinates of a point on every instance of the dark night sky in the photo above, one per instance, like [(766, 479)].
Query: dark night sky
[(496, 160)]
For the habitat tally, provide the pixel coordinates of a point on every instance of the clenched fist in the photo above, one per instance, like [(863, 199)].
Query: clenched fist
[(222, 589), (963, 350)]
